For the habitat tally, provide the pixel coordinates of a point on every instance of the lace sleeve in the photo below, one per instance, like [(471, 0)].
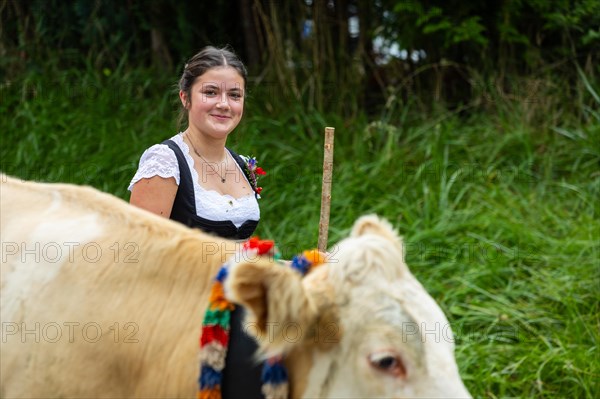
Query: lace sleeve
[(158, 160)]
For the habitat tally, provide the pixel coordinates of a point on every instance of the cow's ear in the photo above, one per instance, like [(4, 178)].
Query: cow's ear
[(274, 298)]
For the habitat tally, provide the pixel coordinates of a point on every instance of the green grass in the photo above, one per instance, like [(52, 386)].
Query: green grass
[(500, 216)]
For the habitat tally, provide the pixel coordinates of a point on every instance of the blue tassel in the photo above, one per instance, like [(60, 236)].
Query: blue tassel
[(222, 275), (300, 264), (209, 377), (274, 373)]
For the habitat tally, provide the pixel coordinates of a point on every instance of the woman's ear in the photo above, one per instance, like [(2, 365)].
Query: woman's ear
[(184, 99)]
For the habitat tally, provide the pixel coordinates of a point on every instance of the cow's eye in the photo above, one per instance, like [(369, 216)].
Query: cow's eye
[(388, 362)]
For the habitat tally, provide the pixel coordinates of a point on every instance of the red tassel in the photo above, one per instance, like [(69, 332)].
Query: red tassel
[(262, 246), (214, 333)]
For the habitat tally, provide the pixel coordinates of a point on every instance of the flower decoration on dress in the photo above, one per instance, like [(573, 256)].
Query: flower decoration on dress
[(254, 171)]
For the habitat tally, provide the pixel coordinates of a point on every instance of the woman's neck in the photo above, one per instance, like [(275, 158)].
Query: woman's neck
[(212, 150)]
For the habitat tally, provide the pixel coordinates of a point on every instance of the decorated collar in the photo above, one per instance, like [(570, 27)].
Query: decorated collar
[(216, 326)]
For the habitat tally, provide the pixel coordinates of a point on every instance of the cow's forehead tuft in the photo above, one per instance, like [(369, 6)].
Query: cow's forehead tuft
[(366, 260)]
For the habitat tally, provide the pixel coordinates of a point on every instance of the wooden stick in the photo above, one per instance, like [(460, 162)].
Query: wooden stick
[(326, 189)]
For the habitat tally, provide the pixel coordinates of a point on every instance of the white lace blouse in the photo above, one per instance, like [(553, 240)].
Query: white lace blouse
[(160, 160)]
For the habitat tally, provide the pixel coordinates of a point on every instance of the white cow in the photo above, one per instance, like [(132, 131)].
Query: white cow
[(100, 299)]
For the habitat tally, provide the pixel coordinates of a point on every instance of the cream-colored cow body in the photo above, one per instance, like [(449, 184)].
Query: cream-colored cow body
[(100, 299)]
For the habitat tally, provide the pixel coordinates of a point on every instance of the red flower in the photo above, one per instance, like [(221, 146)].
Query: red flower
[(252, 172), (262, 246)]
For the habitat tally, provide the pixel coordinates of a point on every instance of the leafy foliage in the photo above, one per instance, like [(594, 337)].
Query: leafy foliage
[(307, 51)]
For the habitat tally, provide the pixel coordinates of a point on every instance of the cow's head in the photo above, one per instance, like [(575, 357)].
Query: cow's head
[(358, 326)]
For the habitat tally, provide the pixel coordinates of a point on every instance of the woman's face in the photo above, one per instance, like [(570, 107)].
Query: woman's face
[(216, 102)]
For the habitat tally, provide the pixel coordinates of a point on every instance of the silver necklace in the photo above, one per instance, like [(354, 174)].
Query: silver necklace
[(223, 178)]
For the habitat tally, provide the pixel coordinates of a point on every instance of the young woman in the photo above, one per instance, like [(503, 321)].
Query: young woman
[(194, 179)]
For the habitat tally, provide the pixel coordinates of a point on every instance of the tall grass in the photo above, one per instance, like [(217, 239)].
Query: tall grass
[(85, 128), (499, 215)]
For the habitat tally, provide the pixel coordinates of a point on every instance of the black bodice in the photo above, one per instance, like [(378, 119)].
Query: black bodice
[(184, 206)]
